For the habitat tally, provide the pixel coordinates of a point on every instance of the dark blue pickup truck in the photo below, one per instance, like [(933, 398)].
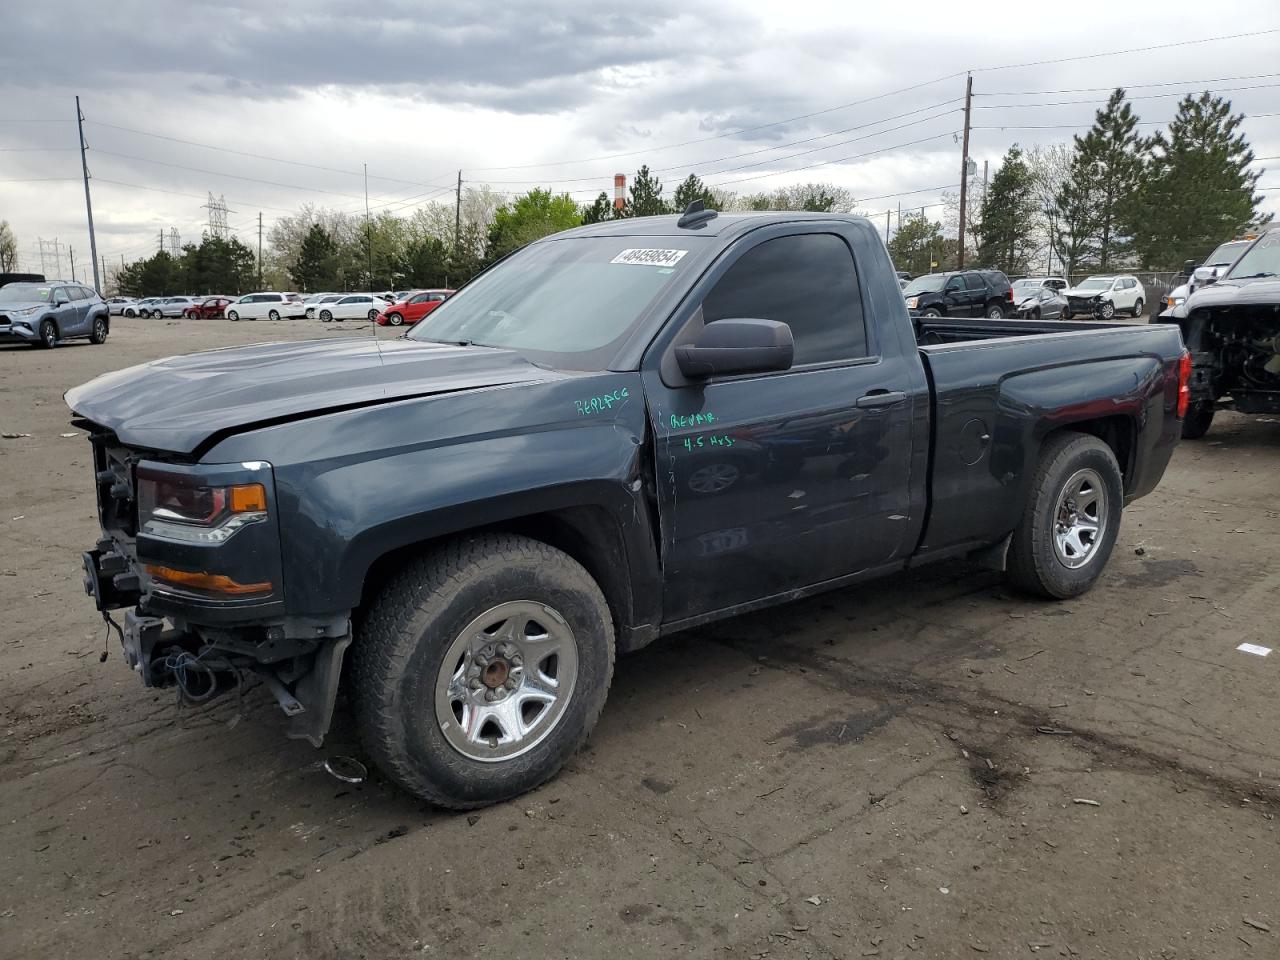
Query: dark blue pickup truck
[(618, 432)]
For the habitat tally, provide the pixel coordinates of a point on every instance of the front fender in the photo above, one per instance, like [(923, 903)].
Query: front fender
[(355, 485)]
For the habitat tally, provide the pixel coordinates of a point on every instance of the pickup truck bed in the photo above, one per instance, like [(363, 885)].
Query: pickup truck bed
[(616, 433)]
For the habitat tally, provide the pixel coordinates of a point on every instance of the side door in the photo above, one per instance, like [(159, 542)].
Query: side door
[(65, 312), (953, 297), (975, 295), (772, 482), (1120, 294), (417, 307)]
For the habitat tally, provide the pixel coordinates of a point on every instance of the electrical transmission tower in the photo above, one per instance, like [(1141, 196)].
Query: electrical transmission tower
[(50, 256), (175, 243), (218, 217)]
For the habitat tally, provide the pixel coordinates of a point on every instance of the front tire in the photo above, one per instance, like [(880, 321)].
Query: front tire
[(1197, 421), (373, 316), (395, 319), (48, 335), (99, 334), (1071, 519), (1107, 310), (232, 316), (931, 313), (481, 668), (325, 316)]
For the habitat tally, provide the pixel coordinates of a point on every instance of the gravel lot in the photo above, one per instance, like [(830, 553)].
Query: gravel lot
[(892, 770)]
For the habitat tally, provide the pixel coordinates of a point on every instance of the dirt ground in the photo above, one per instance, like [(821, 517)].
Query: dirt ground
[(893, 770)]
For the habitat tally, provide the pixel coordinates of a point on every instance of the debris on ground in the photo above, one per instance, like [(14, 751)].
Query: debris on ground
[(1091, 803), (1257, 924)]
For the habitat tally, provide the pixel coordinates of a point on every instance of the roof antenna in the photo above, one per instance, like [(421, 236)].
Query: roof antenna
[(695, 215)]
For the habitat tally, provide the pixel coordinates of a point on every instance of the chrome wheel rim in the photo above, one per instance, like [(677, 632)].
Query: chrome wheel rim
[(506, 680), (1108, 310), (100, 330), (395, 319), (714, 478), (1080, 519), (50, 334)]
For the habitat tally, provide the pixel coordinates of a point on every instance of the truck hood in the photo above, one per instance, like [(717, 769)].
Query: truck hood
[(1231, 293), (178, 403)]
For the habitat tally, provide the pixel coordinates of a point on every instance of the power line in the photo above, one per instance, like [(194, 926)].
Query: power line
[(1082, 126), (179, 193), (1142, 96), (823, 163), (233, 176), (1128, 86), (260, 156)]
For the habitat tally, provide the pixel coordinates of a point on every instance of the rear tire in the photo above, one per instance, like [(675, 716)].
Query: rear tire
[(273, 315), (1197, 421), (1137, 308), (414, 705), (1052, 554), (995, 311)]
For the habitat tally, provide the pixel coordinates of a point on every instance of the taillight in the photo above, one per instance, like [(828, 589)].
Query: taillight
[(1008, 294), (1184, 383)]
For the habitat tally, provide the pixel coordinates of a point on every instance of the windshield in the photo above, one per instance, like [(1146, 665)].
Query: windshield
[(1026, 288), (1226, 254), (1095, 283), (565, 302), (1262, 260), (25, 292), (930, 283)]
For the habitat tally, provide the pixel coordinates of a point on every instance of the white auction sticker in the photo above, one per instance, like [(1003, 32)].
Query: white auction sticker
[(650, 258), (1255, 649)]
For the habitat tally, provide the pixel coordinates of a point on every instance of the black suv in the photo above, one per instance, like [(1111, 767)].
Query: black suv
[(962, 293)]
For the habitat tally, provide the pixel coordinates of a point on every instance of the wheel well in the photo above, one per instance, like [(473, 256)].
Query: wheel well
[(1116, 432), (588, 534)]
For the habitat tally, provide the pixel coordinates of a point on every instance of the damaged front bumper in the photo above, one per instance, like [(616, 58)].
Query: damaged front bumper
[(298, 659)]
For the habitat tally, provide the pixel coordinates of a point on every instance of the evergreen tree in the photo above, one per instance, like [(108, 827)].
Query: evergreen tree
[(646, 195), (599, 210), (918, 247), (425, 263), (1201, 191), (1108, 170), (316, 266), (691, 189), (1007, 219)]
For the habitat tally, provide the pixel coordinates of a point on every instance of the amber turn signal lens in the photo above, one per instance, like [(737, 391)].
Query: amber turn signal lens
[(207, 582), (248, 498)]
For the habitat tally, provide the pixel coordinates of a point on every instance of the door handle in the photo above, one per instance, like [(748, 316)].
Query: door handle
[(881, 398)]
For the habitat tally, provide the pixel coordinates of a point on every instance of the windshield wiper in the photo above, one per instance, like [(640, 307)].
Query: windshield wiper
[(1256, 276)]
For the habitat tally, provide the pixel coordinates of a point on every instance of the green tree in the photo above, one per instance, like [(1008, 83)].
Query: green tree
[(8, 248), (812, 197), (466, 258), (217, 266), (160, 275), (1201, 191), (598, 210), (646, 195), (1008, 217), (919, 247), (1108, 171), (425, 263), (316, 267), (692, 188), (537, 214)]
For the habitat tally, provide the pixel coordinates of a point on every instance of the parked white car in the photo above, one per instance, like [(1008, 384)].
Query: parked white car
[(1105, 296), (266, 306), (117, 305), (354, 306), (313, 305)]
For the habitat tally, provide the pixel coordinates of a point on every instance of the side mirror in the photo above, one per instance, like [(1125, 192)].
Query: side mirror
[(1204, 276), (737, 346), (1189, 266)]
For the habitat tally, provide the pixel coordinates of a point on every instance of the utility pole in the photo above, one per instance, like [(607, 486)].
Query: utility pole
[(368, 225), (104, 269), (457, 215), (964, 167), (259, 249), (88, 203), (71, 251), (886, 226)]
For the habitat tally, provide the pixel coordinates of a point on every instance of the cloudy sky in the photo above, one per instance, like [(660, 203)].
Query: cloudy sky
[(751, 95)]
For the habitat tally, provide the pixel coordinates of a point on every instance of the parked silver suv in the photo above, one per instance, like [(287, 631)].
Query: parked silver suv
[(45, 314)]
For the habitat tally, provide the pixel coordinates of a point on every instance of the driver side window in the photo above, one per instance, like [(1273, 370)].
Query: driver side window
[(807, 281)]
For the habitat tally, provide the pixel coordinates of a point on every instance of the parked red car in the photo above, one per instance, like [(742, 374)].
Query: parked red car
[(210, 308), (413, 307)]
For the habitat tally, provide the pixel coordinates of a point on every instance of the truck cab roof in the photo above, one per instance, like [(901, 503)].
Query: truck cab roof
[(721, 225)]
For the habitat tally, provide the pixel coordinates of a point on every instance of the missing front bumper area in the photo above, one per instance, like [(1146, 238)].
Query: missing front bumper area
[(302, 675)]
